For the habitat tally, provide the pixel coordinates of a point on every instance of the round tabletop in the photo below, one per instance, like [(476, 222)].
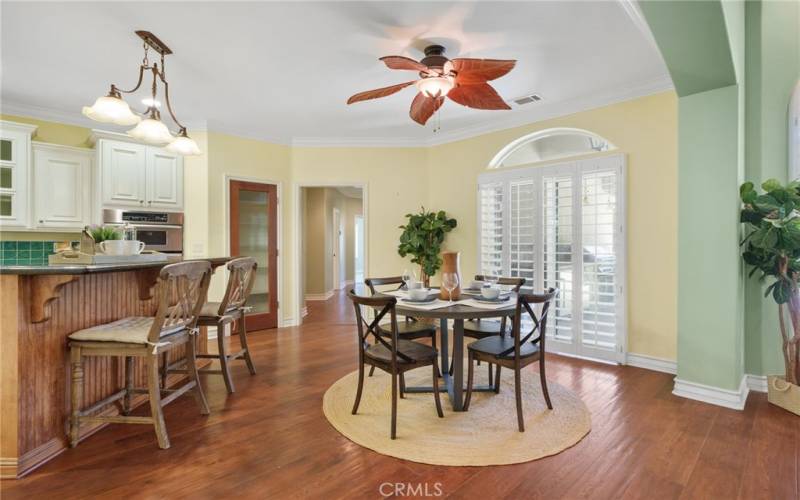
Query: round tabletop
[(457, 311)]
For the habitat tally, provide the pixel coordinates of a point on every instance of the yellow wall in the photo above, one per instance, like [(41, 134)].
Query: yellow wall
[(401, 180), (645, 130)]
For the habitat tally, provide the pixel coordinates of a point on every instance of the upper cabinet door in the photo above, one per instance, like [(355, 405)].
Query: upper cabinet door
[(63, 189), (164, 180), (15, 145), (123, 172)]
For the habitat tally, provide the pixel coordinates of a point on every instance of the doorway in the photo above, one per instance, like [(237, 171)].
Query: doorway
[(254, 233), (331, 237)]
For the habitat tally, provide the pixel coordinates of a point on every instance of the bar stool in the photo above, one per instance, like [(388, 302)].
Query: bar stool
[(185, 284), (242, 276)]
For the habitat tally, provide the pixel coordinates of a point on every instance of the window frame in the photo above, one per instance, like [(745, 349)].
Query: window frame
[(575, 168)]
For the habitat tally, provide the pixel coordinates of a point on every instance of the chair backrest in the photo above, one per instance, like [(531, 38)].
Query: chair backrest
[(184, 284), (383, 305), (241, 278), (394, 280), (524, 302), (515, 282)]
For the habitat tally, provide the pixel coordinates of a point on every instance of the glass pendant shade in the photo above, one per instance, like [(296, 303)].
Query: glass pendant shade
[(183, 145), (435, 86), (108, 109), (151, 131)]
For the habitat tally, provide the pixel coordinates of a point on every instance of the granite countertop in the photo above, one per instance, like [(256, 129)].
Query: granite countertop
[(99, 268)]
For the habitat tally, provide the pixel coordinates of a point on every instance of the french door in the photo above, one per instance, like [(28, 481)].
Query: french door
[(563, 226), (254, 233)]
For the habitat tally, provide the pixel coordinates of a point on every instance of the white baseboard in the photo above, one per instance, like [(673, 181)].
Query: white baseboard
[(304, 311), (734, 399), (287, 322), (757, 383), (651, 363), (319, 296)]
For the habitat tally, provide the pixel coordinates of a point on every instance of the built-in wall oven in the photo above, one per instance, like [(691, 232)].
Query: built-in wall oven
[(160, 231)]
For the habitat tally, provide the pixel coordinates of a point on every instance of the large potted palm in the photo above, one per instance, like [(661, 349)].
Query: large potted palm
[(772, 247)]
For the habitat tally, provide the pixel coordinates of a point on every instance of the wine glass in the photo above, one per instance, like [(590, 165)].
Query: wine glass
[(406, 277), (450, 283)]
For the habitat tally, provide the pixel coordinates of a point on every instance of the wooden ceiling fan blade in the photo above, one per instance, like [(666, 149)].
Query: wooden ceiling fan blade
[(424, 106), (478, 96), (383, 92), (401, 62), (471, 71)]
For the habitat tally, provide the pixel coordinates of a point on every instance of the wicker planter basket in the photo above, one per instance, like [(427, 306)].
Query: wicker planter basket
[(784, 394)]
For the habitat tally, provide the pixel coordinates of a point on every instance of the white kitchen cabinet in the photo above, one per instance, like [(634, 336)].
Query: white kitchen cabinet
[(15, 171), (164, 180), (136, 175), (62, 186), (122, 168)]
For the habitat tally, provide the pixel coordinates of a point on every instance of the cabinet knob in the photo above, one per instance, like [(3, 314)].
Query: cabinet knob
[(141, 202), (41, 221)]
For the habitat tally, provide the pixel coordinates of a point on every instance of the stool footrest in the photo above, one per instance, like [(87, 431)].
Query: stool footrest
[(175, 393), (118, 420), (103, 402)]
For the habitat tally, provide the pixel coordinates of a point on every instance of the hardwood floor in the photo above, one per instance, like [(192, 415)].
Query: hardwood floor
[(271, 440)]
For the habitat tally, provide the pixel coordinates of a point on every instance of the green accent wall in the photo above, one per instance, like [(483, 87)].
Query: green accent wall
[(703, 46), (773, 68)]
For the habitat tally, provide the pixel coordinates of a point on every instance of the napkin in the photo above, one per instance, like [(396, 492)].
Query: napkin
[(485, 305)]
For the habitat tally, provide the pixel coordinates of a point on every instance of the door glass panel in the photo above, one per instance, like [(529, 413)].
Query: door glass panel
[(6, 150), (254, 242), (5, 205), (557, 242), (599, 259), (5, 178)]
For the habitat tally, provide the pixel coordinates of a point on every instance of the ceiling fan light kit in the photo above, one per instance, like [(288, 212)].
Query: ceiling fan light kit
[(113, 109), (462, 80)]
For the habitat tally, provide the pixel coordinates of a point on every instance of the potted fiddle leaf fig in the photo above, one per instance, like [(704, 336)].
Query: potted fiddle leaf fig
[(422, 238), (772, 247)]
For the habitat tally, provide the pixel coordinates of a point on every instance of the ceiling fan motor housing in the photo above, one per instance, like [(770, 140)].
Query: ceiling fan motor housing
[(434, 56)]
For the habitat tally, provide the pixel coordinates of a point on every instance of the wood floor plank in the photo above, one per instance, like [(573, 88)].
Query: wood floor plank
[(271, 439)]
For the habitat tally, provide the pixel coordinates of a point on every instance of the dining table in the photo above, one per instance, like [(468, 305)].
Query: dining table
[(461, 309)]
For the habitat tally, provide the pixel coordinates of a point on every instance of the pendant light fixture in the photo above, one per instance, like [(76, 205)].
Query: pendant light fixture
[(149, 127)]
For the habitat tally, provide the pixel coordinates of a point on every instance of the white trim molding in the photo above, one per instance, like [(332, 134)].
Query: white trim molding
[(651, 363), (757, 383), (319, 296), (734, 399), (304, 311)]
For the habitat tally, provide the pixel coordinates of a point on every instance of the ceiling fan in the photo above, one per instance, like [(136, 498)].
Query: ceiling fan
[(462, 80)]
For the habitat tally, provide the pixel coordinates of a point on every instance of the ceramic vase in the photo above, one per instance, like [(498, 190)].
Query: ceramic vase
[(451, 263)]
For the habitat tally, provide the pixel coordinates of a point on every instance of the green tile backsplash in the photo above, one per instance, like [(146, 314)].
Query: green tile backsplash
[(25, 253)]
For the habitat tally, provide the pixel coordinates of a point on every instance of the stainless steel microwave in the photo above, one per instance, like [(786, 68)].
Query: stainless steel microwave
[(160, 231)]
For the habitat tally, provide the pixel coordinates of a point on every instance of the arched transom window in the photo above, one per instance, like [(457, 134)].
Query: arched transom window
[(550, 144)]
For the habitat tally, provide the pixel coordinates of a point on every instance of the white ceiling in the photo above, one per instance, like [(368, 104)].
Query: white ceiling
[(282, 71)]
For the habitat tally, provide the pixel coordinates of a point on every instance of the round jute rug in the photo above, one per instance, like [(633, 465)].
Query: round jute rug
[(485, 435)]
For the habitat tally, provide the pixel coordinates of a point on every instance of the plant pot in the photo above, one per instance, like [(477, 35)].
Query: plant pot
[(784, 394)]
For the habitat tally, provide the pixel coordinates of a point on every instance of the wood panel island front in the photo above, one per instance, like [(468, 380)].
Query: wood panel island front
[(39, 307)]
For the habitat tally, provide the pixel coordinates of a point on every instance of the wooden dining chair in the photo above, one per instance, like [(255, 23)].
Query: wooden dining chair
[(482, 328), (232, 308), (516, 352), (390, 353), (185, 285), (410, 328)]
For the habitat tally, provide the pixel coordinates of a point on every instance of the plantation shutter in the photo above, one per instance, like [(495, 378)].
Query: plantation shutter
[(557, 259), (491, 229), (522, 221)]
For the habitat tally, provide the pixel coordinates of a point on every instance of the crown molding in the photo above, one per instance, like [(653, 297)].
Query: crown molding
[(18, 127), (536, 113)]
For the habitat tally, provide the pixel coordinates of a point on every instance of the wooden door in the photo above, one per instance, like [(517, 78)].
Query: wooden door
[(254, 233)]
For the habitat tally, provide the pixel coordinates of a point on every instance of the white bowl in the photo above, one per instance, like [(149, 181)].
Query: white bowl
[(413, 284), (418, 293), (476, 285), (490, 293)]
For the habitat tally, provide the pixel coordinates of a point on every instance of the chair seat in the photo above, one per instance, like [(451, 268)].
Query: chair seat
[(408, 329), (211, 310), (131, 330), (483, 328), (414, 350), (493, 346)]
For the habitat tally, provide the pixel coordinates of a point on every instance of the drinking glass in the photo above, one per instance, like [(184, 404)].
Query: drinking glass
[(450, 283), (406, 277)]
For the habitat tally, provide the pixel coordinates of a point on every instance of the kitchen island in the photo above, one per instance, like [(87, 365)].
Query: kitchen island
[(39, 307)]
